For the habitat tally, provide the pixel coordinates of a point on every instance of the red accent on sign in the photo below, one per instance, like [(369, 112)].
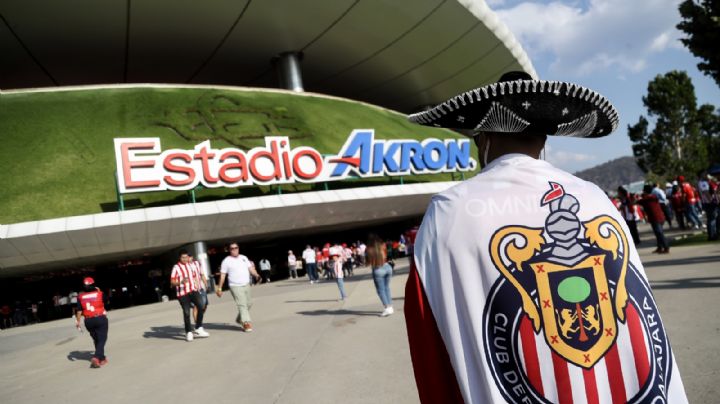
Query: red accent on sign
[(586, 357), (608, 332), (597, 260), (553, 339), (128, 165), (188, 171), (603, 295), (353, 161), (546, 304), (532, 366), (273, 156), (539, 268), (240, 165), (204, 156), (317, 159)]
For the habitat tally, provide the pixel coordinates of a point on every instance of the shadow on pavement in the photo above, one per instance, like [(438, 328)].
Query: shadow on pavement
[(688, 283), (178, 332), (80, 356), (340, 312), (311, 301), (681, 261)]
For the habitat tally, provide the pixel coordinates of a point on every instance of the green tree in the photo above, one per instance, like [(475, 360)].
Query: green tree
[(679, 142), (701, 22), (708, 122)]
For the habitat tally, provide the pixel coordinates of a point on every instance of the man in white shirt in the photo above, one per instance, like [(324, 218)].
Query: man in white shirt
[(525, 286), (310, 264), (238, 269)]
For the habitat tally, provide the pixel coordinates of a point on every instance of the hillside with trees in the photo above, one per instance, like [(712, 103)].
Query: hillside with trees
[(610, 175)]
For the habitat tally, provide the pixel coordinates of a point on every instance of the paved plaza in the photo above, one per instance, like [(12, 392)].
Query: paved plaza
[(307, 347)]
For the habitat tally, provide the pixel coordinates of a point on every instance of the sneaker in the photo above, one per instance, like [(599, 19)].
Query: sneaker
[(104, 362), (247, 327), (390, 310), (201, 333), (189, 337), (385, 313), (94, 363)]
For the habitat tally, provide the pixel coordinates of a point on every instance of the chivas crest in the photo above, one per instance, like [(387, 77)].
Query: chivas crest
[(564, 290)]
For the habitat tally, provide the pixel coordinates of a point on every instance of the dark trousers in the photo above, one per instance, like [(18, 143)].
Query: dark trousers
[(632, 225), (195, 298), (659, 235), (311, 269), (265, 276), (711, 215), (98, 329)]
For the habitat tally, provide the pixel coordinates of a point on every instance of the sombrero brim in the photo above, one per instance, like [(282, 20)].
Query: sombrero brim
[(526, 106)]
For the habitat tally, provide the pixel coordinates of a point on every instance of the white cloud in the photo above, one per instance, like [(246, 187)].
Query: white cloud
[(566, 160), (607, 34), (495, 3)]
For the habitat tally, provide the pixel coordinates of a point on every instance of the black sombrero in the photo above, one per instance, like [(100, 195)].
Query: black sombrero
[(519, 104)]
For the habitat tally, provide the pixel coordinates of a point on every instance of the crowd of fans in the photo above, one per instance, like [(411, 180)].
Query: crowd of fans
[(682, 201)]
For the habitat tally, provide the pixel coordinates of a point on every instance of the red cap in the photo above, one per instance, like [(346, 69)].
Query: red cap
[(88, 281), (344, 245), (681, 178)]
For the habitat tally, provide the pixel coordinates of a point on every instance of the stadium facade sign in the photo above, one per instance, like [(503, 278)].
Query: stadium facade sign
[(143, 167)]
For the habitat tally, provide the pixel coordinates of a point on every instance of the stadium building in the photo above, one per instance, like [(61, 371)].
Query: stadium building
[(133, 129)]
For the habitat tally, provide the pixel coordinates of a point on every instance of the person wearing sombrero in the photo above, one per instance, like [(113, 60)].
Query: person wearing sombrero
[(91, 306), (525, 286)]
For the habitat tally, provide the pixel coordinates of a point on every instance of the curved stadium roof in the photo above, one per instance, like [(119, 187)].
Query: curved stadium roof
[(399, 54)]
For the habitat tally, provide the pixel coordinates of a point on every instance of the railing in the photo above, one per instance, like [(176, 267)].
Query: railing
[(192, 198)]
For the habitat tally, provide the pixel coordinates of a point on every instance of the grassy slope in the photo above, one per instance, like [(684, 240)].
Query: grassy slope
[(57, 150)]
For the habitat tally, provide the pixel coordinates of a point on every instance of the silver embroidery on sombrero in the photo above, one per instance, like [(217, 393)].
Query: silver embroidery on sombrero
[(579, 126), (501, 119)]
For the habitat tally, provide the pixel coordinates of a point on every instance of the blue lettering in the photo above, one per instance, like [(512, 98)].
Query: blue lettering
[(391, 164), (435, 161), (458, 154), (410, 150), (378, 157)]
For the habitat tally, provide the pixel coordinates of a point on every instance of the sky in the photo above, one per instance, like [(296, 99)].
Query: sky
[(612, 46)]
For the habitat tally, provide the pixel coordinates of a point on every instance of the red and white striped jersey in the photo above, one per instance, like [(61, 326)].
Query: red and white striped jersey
[(199, 271), (525, 288), (180, 272)]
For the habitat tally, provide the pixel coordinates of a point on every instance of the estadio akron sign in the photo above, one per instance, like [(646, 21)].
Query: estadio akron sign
[(142, 166)]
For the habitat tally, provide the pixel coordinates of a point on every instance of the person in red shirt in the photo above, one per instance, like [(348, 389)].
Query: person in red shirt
[(90, 305), (689, 202), (656, 218)]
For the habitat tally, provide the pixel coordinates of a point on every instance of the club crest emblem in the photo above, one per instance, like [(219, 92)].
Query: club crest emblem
[(570, 316)]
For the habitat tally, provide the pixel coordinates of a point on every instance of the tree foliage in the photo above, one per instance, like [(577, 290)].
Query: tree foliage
[(701, 22), (684, 139)]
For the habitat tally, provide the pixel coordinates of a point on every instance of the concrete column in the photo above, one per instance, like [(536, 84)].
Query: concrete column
[(201, 255), (287, 65)]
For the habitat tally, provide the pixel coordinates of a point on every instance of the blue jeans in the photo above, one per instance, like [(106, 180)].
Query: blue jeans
[(341, 286), (311, 271), (692, 215), (381, 277)]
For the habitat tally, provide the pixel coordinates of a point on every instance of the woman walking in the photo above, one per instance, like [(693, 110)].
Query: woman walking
[(381, 271)]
